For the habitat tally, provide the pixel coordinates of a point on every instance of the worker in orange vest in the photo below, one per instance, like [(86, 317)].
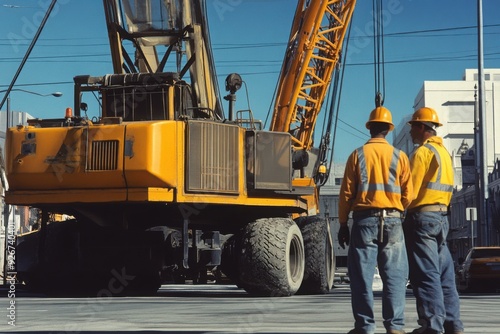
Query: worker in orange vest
[(377, 188)]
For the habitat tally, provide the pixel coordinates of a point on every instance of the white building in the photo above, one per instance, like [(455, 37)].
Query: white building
[(15, 118), (454, 101)]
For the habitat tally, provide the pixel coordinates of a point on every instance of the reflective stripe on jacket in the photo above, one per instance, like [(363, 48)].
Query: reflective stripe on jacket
[(432, 173), (377, 176)]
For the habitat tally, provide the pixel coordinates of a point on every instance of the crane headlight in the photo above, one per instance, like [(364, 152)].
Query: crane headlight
[(233, 82)]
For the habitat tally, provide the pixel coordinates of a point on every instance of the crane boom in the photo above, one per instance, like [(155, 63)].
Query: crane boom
[(313, 51)]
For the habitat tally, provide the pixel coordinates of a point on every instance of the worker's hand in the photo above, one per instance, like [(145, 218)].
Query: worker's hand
[(343, 235)]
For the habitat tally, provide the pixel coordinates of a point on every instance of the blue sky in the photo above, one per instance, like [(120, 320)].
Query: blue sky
[(425, 40)]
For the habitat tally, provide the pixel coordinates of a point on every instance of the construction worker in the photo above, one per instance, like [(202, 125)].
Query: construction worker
[(426, 226), (377, 188)]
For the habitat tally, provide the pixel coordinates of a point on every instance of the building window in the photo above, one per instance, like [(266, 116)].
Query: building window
[(338, 181), (488, 77)]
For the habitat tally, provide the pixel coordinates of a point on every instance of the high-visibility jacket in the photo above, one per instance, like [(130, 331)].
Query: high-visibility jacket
[(432, 173), (377, 176)]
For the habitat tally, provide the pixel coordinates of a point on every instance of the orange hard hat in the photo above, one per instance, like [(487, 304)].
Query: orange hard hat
[(426, 115), (381, 115)]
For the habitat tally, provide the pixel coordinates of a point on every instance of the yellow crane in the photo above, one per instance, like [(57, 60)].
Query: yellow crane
[(162, 186)]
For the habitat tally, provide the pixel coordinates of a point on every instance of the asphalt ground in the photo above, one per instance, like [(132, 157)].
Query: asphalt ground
[(213, 309)]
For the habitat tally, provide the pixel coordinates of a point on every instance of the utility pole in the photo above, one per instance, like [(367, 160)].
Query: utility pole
[(6, 207), (477, 164), (483, 163)]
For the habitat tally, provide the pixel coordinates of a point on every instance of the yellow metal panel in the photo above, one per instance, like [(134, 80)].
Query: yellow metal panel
[(313, 199), (95, 156), (202, 200), (303, 182), (152, 160), (65, 196), (90, 196), (151, 195), (57, 157)]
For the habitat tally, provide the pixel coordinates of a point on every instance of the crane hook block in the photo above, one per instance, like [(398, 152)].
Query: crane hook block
[(322, 169), (379, 100), (233, 82)]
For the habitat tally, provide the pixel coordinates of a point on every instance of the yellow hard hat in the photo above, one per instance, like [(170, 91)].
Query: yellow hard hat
[(426, 115), (381, 115)]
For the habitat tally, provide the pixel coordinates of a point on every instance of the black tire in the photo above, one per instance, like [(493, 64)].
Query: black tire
[(229, 258), (65, 269), (271, 262), (320, 258)]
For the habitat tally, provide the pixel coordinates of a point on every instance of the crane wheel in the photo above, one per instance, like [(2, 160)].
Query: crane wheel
[(319, 257), (271, 262), (229, 258)]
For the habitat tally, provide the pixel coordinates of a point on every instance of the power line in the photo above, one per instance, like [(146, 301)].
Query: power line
[(41, 84), (365, 135), (227, 46), (438, 30)]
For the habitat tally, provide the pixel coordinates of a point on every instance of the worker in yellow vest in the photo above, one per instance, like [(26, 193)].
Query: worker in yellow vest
[(426, 227)]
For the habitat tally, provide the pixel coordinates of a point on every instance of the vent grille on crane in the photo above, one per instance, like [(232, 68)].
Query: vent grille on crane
[(103, 155), (212, 157)]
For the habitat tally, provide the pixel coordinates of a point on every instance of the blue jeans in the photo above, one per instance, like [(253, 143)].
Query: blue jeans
[(432, 274), (365, 252)]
